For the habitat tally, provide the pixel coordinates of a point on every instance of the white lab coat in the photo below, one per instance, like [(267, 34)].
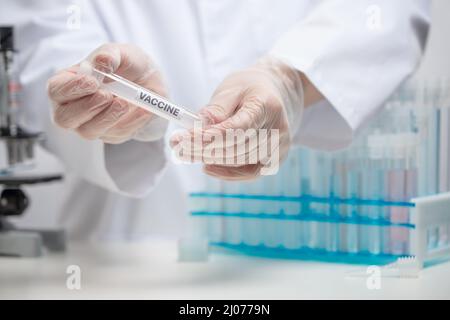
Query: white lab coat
[(355, 52)]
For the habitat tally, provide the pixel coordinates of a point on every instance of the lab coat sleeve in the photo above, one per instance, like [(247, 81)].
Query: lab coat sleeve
[(356, 53), (52, 35)]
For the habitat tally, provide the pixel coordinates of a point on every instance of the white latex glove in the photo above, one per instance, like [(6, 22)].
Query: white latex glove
[(94, 113), (267, 97)]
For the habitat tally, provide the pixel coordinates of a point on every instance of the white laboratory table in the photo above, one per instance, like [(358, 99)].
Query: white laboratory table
[(150, 271)]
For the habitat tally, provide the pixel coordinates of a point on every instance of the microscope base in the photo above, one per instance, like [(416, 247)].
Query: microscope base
[(30, 243), (20, 244)]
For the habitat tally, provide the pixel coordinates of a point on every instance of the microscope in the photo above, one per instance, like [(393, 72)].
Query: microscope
[(17, 153)]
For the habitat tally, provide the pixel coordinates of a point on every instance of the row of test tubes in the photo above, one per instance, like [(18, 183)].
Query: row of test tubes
[(353, 202)]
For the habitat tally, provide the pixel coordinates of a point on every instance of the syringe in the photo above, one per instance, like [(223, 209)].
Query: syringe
[(141, 97)]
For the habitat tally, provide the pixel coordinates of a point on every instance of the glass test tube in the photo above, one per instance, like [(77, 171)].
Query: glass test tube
[(291, 173), (142, 97), (232, 224), (251, 228)]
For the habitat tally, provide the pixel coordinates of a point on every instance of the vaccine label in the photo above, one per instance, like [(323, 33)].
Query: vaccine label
[(155, 102)]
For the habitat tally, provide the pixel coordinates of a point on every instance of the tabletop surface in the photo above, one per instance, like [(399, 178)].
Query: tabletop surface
[(151, 271)]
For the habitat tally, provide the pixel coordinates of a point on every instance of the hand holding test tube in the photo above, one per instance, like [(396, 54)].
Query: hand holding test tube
[(95, 109), (252, 117)]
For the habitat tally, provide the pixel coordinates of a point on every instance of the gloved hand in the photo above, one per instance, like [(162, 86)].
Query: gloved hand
[(94, 113), (268, 98)]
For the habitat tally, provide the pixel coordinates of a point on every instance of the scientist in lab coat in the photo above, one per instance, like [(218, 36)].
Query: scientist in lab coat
[(315, 70)]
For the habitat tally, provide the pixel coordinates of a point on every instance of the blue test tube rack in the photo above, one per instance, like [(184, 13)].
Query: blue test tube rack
[(384, 197)]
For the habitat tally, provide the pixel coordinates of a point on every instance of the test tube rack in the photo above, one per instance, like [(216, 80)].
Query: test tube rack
[(384, 197)]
